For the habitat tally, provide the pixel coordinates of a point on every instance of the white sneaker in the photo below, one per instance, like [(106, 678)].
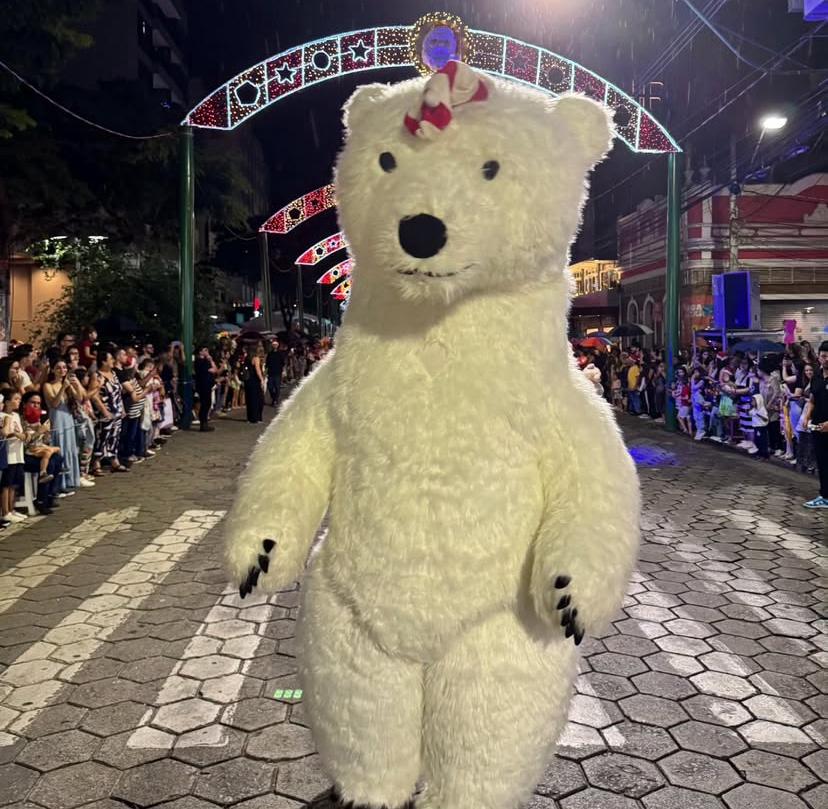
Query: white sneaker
[(86, 484), (716, 439), (744, 444), (15, 516), (66, 494), (699, 435), (778, 453), (753, 450), (150, 453)]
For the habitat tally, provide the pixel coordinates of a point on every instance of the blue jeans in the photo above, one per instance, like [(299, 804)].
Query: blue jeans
[(634, 402)]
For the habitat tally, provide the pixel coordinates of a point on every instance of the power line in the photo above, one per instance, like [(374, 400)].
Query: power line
[(80, 117), (726, 42)]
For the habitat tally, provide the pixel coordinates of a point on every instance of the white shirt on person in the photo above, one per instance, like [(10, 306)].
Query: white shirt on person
[(14, 446)]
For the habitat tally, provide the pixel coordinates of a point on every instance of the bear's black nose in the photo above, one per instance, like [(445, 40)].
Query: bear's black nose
[(422, 236)]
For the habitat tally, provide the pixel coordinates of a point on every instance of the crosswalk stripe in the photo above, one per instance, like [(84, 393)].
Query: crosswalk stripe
[(255, 613), (66, 548), (34, 681)]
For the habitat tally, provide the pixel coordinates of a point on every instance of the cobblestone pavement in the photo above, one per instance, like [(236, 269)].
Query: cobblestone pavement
[(130, 675)]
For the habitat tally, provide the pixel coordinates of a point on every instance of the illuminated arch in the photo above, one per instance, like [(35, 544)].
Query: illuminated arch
[(300, 210), (341, 270), (343, 291), (322, 249), (391, 47)]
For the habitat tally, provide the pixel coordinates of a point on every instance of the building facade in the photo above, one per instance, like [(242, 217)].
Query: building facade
[(778, 232), (596, 296)]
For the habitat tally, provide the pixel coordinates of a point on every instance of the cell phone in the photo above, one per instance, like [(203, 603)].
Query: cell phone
[(814, 428)]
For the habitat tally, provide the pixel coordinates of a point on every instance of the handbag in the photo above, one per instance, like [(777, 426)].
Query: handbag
[(726, 408)]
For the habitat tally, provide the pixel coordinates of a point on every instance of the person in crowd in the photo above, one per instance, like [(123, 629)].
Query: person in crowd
[(681, 396), (106, 394), (15, 438), (633, 385), (61, 392), (699, 403), (205, 372), (759, 421), (37, 432), (816, 420), (275, 367), (252, 373), (88, 347)]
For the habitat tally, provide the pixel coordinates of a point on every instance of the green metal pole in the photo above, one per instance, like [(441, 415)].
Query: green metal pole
[(672, 315), (186, 271), (267, 295)]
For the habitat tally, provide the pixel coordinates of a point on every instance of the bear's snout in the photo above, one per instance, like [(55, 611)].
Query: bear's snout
[(423, 235)]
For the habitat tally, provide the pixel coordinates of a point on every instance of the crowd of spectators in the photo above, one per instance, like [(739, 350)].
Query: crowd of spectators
[(755, 402), (85, 408)]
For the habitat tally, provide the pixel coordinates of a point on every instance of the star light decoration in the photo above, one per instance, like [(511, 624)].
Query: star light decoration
[(341, 270), (322, 249), (426, 45)]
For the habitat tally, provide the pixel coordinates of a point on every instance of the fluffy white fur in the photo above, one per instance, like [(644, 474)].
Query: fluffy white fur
[(465, 461)]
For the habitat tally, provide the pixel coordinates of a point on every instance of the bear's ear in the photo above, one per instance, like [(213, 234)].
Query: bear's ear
[(590, 125), (362, 104)]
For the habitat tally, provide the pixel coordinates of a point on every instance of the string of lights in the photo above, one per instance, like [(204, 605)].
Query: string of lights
[(80, 117), (726, 42)]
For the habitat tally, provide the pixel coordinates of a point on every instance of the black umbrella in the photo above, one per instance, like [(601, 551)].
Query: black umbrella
[(631, 330), (758, 347)]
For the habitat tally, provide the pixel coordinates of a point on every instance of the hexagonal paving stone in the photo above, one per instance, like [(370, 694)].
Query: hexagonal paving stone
[(114, 718), (561, 778), (134, 747), (303, 780), (75, 785), (715, 710), (234, 780), (579, 742), (777, 738), (659, 684), (646, 741), (144, 671), (730, 663), (58, 750), (752, 796), (705, 738), (281, 742), (209, 745), (33, 671), (52, 719), (155, 782), (269, 802), (794, 665), (604, 686), (690, 647), (109, 692), (591, 798), (15, 782), (772, 770), (699, 772), (678, 798), (778, 709), (723, 685), (669, 663), (231, 629), (188, 714), (591, 711), (253, 714), (619, 664), (773, 683), (203, 668), (652, 710), (817, 798)]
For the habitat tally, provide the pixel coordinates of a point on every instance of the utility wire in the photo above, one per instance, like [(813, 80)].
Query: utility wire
[(726, 42), (80, 117)]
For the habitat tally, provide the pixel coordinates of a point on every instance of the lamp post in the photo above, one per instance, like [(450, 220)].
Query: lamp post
[(672, 314), (186, 270)]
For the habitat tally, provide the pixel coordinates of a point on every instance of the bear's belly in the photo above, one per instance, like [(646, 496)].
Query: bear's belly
[(426, 541)]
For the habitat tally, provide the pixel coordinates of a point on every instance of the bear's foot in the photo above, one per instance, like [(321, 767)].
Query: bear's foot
[(262, 566), (569, 613), (336, 801)]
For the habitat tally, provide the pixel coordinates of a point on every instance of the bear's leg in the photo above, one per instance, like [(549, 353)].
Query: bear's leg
[(494, 706), (364, 707)]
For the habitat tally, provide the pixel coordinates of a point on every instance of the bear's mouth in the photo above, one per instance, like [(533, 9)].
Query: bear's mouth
[(427, 274)]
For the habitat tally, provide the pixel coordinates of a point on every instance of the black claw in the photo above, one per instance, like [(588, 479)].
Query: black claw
[(564, 602), (566, 617), (562, 581), (268, 545), (570, 630), (242, 590), (579, 636), (254, 577), (264, 562)]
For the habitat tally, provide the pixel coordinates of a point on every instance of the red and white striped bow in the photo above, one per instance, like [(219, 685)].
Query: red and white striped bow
[(450, 87)]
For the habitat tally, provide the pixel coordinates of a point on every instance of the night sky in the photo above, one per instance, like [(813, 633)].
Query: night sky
[(618, 39)]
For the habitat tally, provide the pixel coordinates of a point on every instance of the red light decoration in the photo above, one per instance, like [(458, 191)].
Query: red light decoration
[(343, 291), (342, 270), (300, 210), (321, 250)]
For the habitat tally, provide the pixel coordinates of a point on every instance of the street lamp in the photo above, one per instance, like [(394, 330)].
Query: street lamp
[(773, 122)]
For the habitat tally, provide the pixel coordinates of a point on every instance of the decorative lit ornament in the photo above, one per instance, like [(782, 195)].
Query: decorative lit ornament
[(360, 51), (300, 210), (342, 270), (436, 39), (286, 73), (343, 291), (322, 249)]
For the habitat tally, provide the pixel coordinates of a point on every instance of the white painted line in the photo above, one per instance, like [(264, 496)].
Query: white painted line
[(34, 680), (65, 549), (231, 630)]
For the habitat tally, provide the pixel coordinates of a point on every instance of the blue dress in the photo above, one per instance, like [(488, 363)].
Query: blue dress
[(63, 436)]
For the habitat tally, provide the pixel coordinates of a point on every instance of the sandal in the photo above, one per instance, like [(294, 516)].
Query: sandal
[(120, 468)]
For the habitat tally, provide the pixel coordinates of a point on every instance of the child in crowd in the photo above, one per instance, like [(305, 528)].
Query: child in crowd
[(12, 432), (699, 403), (759, 420), (681, 395), (37, 433)]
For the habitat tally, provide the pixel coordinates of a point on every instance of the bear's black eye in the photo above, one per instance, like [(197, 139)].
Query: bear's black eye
[(388, 162), (491, 169)]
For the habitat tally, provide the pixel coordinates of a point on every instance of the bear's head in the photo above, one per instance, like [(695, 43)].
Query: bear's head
[(491, 201)]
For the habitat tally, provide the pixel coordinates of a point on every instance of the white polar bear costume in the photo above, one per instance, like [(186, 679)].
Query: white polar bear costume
[(483, 510)]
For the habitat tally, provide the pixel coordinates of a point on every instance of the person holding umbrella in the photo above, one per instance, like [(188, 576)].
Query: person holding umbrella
[(816, 420)]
